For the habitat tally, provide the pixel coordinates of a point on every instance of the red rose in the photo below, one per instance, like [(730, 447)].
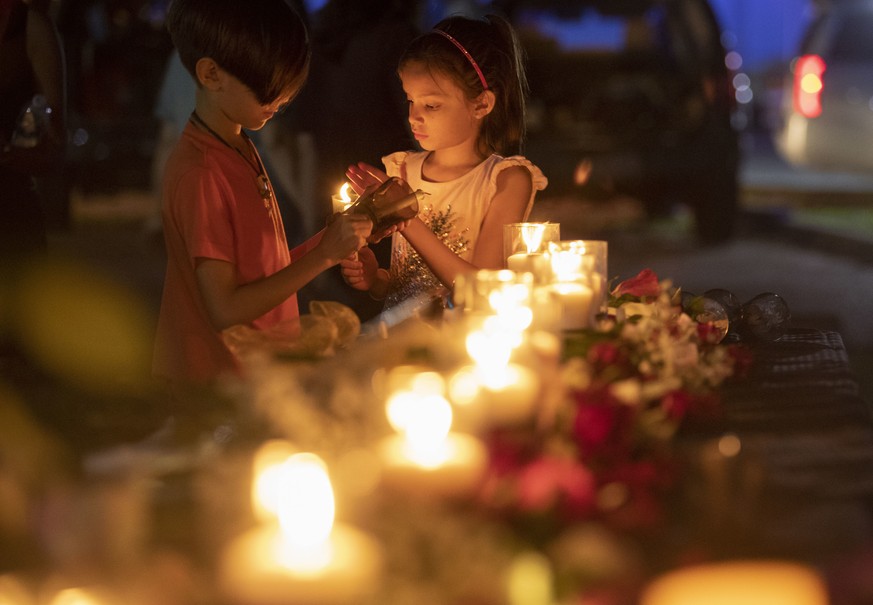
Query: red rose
[(601, 423), (644, 284), (550, 481)]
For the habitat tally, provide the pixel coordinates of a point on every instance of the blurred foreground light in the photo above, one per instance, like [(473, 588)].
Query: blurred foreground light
[(735, 582), (14, 592), (83, 327)]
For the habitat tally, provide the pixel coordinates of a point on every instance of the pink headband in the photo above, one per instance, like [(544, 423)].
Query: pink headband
[(466, 54)]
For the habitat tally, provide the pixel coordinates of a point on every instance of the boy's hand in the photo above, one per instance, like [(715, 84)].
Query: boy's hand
[(378, 237), (345, 234), (362, 176), (359, 270)]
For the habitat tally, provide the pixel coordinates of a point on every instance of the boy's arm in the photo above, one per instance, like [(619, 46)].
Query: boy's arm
[(229, 303), (298, 251)]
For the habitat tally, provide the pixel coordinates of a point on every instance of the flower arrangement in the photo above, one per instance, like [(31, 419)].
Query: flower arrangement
[(629, 384), (578, 485)]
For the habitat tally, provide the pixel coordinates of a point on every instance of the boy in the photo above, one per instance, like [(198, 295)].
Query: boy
[(228, 261)]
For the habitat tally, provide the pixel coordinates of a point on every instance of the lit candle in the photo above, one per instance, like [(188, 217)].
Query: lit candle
[(502, 395), (575, 301), (299, 556), (732, 582), (506, 392), (342, 200), (524, 247), (424, 456)]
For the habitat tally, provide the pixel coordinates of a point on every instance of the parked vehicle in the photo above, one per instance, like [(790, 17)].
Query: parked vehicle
[(633, 97), (827, 112)]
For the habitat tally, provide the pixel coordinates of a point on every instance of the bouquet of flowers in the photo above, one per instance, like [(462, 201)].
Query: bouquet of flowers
[(602, 456)]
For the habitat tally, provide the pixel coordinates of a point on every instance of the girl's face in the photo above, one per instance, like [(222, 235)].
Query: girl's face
[(439, 114)]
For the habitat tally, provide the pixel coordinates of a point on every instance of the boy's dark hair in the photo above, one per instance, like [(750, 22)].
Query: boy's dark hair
[(493, 45), (262, 43)]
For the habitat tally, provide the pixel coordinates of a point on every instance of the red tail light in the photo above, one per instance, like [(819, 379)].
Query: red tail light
[(808, 84)]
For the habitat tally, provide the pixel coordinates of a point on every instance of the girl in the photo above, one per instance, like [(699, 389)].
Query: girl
[(465, 88)]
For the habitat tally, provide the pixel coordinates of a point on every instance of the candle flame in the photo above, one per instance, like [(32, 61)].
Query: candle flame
[(295, 490), (344, 193), (425, 422), (532, 236), (567, 260)]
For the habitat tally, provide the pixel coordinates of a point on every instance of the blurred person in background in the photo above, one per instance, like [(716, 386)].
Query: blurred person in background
[(32, 129)]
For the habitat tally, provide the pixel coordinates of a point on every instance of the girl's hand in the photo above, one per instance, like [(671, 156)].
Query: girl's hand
[(363, 176), (344, 235), (359, 270)]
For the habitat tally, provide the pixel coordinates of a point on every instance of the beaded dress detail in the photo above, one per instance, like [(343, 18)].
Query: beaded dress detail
[(410, 276)]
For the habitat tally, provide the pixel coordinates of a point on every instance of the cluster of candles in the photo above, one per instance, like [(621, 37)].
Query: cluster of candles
[(569, 276)]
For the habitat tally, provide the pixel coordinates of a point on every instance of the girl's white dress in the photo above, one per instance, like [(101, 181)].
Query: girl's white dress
[(454, 210)]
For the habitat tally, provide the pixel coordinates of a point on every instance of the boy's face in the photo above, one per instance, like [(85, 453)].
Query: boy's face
[(241, 106)]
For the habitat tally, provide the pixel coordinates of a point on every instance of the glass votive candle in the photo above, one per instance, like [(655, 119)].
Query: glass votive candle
[(582, 260), (578, 281), (525, 247), (493, 291)]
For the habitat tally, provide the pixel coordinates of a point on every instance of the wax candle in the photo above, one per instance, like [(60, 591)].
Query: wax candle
[(424, 456), (575, 301), (300, 557), (503, 395), (342, 200), (525, 247), (536, 263)]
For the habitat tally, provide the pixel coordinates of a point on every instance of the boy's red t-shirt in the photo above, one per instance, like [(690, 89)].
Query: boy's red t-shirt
[(212, 208)]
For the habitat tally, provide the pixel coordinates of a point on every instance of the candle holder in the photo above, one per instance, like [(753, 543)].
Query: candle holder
[(390, 203), (578, 281), (525, 247), (492, 291)]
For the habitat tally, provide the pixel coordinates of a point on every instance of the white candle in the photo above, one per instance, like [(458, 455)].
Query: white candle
[(503, 395), (424, 457), (576, 304), (523, 262), (255, 569), (342, 200), (299, 556), (454, 471)]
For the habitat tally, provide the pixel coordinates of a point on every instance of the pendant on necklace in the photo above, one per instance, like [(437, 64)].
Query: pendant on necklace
[(264, 189)]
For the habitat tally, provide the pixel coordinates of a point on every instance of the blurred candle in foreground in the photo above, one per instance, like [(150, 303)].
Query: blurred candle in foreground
[(425, 456), (299, 556), (739, 582)]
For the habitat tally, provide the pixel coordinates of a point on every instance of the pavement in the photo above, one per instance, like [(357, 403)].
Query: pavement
[(826, 276)]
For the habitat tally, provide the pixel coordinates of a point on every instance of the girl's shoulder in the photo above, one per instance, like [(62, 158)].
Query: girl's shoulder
[(400, 161), (497, 164)]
